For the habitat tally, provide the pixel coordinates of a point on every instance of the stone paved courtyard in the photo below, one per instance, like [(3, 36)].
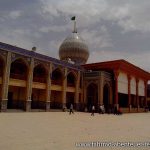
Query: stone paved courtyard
[(60, 131)]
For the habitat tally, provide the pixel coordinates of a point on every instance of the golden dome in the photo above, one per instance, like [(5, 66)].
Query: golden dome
[(74, 48)]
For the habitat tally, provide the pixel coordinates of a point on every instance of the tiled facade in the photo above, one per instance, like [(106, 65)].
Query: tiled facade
[(29, 80)]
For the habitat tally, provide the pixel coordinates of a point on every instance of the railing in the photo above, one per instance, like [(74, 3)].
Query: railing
[(60, 83), (18, 76), (39, 79), (71, 84), (56, 82)]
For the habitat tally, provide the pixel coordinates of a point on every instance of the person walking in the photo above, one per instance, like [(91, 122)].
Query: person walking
[(93, 110), (71, 109)]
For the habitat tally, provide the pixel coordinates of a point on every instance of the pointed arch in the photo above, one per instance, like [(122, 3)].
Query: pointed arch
[(16, 93), (57, 76), (22, 59), (19, 69), (71, 79), (39, 73), (41, 64), (72, 72), (92, 95), (107, 96)]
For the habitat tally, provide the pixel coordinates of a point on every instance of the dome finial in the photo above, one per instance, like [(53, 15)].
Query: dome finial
[(75, 28)]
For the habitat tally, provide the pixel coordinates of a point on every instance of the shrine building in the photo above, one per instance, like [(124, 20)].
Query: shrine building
[(32, 81)]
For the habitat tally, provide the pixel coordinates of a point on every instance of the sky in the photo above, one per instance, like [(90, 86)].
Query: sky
[(112, 29)]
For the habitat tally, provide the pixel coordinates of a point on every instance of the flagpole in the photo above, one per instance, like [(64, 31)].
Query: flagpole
[(75, 29)]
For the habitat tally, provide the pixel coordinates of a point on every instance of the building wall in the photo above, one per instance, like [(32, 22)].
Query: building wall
[(122, 83), (19, 94), (133, 86), (26, 90), (141, 89), (99, 80), (46, 92), (131, 92)]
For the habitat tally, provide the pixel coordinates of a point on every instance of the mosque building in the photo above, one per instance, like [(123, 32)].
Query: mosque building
[(32, 81)]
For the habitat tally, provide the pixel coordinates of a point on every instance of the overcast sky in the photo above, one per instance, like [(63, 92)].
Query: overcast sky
[(113, 29)]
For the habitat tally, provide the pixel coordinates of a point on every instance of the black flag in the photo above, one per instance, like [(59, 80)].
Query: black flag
[(73, 18)]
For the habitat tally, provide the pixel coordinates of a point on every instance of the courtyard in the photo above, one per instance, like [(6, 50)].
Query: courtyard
[(61, 131)]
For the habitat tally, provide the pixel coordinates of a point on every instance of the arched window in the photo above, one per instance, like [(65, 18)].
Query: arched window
[(106, 95), (18, 70), (71, 80), (92, 95), (57, 77), (39, 74)]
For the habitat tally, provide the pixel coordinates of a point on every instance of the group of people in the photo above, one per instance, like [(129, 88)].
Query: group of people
[(101, 110), (117, 111)]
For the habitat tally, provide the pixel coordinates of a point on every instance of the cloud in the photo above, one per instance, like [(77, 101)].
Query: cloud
[(130, 15), (99, 38), (54, 28), (15, 14), (113, 29)]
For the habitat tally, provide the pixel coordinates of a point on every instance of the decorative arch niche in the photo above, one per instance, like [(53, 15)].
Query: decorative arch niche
[(57, 77), (19, 69), (39, 73), (92, 95), (71, 79)]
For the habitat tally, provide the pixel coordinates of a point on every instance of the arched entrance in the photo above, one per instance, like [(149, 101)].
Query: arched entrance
[(70, 95), (17, 85), (39, 87), (71, 80), (56, 92), (106, 97), (92, 96)]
